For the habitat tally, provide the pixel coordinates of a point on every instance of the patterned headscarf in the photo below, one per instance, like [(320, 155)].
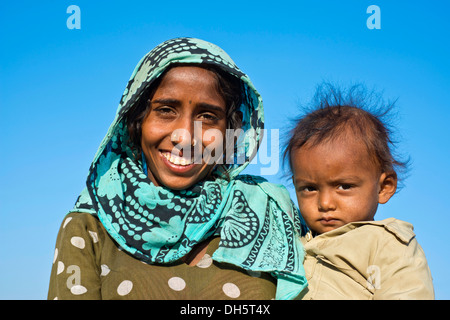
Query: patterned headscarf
[(257, 222)]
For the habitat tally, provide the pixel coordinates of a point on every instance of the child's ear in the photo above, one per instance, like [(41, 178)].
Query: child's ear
[(388, 186)]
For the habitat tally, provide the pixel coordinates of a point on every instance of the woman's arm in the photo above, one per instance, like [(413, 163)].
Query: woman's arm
[(76, 264)]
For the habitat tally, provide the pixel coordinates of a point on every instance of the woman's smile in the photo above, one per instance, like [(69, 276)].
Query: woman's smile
[(177, 164), (176, 160)]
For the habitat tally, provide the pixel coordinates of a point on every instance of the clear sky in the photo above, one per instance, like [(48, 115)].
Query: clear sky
[(60, 88)]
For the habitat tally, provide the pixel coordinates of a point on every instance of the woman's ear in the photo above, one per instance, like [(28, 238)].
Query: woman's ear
[(388, 186)]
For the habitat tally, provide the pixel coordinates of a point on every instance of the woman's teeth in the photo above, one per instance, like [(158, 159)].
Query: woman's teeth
[(177, 160)]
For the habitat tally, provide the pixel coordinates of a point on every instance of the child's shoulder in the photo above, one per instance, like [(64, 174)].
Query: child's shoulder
[(401, 230)]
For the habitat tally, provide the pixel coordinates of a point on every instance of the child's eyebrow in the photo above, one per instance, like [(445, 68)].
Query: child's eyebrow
[(334, 181), (299, 180), (346, 179)]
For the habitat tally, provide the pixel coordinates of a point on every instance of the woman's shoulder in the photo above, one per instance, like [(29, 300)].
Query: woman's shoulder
[(81, 223), (80, 218)]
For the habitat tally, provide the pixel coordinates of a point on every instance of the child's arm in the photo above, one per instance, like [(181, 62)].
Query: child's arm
[(404, 272)]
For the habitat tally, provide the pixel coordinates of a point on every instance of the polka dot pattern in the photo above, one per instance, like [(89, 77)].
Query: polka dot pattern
[(105, 270), (94, 236), (55, 255), (78, 242), (176, 283), (66, 222), (205, 262), (124, 287), (78, 290), (60, 267), (231, 290), (120, 276)]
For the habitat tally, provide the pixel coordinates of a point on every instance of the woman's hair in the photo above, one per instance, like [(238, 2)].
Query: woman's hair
[(334, 111), (228, 86)]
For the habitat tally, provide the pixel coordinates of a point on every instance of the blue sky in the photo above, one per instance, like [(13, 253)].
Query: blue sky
[(60, 89)]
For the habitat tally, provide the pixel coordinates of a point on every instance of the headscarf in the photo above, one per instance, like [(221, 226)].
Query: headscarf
[(257, 221)]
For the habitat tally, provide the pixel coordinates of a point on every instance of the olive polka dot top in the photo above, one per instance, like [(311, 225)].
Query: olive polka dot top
[(89, 265)]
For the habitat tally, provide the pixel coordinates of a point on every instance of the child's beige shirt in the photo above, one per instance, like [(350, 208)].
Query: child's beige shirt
[(367, 260)]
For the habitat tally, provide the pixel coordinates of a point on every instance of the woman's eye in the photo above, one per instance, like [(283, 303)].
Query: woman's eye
[(208, 117), (164, 111)]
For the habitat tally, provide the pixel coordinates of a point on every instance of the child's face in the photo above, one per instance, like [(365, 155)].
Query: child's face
[(336, 183)]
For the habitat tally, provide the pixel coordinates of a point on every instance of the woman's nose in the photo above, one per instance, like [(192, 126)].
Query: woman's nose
[(184, 132)]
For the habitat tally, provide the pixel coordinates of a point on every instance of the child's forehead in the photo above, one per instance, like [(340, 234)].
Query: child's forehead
[(348, 144), (344, 139), (348, 151)]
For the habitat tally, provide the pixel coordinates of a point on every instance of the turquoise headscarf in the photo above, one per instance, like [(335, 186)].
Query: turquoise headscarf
[(257, 222)]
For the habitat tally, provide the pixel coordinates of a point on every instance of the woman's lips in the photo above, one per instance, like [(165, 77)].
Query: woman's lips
[(176, 163), (176, 160)]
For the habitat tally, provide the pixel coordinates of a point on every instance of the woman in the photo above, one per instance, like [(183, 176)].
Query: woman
[(165, 213)]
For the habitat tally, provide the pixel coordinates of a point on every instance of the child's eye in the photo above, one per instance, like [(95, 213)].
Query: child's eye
[(308, 189), (345, 186)]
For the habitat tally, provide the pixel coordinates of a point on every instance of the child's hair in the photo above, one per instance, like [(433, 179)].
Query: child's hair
[(333, 112)]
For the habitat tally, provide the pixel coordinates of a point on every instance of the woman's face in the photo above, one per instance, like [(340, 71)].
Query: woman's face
[(184, 130)]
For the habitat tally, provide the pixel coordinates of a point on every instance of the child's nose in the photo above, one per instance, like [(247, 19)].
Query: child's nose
[(326, 201)]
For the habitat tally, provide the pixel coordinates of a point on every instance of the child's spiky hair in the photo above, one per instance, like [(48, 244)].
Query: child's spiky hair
[(334, 111)]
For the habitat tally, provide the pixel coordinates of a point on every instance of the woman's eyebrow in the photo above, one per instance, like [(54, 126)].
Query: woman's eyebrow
[(166, 101), (211, 107), (176, 102)]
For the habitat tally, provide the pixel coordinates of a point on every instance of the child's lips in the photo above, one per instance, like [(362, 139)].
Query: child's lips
[(328, 221)]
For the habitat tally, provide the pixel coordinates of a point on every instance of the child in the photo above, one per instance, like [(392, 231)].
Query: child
[(342, 168)]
